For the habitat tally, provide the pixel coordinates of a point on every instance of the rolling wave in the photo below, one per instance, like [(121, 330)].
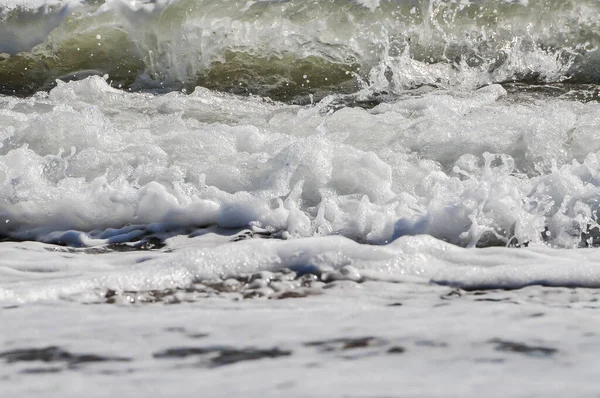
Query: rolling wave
[(289, 49)]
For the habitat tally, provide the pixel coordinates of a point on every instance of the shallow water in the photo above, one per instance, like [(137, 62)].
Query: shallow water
[(196, 194), (372, 339)]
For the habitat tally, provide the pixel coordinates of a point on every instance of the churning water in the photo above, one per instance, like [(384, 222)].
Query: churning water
[(179, 150)]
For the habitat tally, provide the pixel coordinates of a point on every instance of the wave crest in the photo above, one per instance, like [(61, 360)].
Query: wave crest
[(287, 50)]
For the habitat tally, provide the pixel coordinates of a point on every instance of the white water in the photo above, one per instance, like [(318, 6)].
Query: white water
[(322, 48), (35, 272), (454, 165), (480, 167), (449, 349), (364, 220)]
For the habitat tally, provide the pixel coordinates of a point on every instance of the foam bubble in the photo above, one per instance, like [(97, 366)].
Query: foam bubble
[(467, 167), (35, 273)]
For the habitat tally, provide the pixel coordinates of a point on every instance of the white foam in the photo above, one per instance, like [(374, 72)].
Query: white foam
[(33, 272), (34, 4), (447, 343), (456, 166)]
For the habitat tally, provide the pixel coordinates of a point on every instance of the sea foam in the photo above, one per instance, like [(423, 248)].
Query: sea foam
[(472, 168)]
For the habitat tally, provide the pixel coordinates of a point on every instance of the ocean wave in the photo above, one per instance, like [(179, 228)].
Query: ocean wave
[(479, 168), (288, 50)]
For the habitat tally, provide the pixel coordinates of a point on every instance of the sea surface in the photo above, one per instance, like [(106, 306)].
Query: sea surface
[(369, 198)]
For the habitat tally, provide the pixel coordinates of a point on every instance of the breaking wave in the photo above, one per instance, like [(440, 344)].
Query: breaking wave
[(288, 50)]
